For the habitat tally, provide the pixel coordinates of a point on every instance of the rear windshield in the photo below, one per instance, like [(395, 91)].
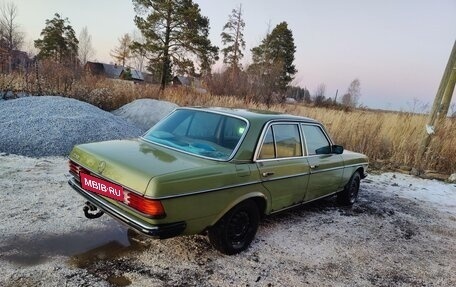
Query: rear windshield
[(201, 133)]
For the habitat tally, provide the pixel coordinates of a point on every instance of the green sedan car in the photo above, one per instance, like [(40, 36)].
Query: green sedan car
[(214, 171)]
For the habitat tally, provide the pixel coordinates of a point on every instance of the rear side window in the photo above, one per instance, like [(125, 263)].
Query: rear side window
[(281, 141), (268, 148), (316, 141)]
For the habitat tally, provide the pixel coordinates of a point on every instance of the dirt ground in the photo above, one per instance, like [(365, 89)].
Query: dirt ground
[(392, 237)]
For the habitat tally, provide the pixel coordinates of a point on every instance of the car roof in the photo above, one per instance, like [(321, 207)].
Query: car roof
[(254, 115)]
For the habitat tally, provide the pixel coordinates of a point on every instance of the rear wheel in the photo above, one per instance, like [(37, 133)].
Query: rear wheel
[(350, 193), (235, 231)]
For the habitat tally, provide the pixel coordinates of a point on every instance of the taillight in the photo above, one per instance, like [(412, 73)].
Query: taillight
[(151, 207), (75, 169)]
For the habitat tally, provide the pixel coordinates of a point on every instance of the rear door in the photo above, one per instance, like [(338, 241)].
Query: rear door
[(326, 168), (283, 168)]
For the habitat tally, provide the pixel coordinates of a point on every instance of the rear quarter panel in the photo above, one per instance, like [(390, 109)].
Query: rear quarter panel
[(202, 196)]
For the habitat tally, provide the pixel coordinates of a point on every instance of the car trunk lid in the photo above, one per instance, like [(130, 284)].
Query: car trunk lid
[(131, 163)]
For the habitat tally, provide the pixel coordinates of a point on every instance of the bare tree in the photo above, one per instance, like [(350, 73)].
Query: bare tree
[(10, 31), (29, 48), (85, 48), (138, 55), (351, 97), (122, 53), (319, 95)]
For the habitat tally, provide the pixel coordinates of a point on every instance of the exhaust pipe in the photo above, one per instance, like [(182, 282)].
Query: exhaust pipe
[(92, 208)]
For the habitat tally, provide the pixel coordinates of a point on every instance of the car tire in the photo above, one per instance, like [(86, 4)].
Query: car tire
[(235, 231), (349, 195)]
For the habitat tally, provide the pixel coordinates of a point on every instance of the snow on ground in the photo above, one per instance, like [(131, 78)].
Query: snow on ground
[(436, 193), (50, 125), (402, 232), (144, 113)]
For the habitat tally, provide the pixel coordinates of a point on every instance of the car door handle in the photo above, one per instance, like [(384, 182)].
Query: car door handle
[(266, 174), (313, 166)]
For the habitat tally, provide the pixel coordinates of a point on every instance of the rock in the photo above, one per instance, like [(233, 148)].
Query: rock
[(414, 172), (452, 178)]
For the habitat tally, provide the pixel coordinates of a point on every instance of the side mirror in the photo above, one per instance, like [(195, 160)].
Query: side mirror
[(337, 149), (323, 150)]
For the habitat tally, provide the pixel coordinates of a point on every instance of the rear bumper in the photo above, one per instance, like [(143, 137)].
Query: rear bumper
[(158, 231)]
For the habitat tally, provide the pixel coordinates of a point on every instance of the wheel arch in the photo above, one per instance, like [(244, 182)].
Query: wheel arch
[(257, 197)]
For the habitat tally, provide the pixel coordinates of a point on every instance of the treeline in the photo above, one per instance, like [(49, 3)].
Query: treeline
[(173, 39)]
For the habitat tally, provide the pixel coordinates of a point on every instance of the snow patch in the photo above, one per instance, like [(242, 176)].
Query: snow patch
[(439, 194)]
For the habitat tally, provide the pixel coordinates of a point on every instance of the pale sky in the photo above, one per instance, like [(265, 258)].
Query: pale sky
[(397, 48)]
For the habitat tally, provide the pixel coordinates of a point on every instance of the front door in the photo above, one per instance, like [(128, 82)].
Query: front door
[(326, 168)]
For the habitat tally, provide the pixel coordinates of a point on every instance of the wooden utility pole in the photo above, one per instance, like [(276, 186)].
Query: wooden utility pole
[(446, 101), (441, 104)]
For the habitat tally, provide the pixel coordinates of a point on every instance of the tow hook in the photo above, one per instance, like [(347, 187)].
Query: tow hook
[(90, 207)]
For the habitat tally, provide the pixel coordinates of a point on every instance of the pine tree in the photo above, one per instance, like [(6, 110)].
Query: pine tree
[(59, 42), (175, 32), (233, 39), (275, 56)]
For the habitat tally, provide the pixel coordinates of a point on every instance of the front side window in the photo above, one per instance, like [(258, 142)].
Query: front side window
[(281, 141), (316, 141), (200, 133)]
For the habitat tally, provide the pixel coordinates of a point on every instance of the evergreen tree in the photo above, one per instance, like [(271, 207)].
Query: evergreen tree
[(275, 55), (175, 32), (233, 39), (122, 53), (59, 42)]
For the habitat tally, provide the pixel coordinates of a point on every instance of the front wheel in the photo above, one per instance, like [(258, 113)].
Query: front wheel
[(235, 231), (350, 193)]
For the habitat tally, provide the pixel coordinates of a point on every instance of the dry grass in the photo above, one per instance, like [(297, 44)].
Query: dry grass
[(390, 138)]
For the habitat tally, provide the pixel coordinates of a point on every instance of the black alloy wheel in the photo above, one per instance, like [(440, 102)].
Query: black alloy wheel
[(235, 231)]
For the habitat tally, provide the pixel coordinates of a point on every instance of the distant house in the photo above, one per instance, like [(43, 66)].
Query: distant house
[(187, 81), (113, 71), (149, 78), (136, 75), (182, 81), (19, 59), (190, 82)]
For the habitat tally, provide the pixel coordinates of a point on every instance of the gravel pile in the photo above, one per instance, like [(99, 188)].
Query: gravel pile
[(144, 113), (49, 125)]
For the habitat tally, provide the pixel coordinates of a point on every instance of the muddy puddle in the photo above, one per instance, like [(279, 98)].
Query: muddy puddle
[(34, 249), (111, 249)]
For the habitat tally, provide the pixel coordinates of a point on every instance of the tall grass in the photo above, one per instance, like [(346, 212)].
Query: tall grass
[(392, 138)]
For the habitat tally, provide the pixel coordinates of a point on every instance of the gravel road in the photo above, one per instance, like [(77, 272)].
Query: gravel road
[(392, 237)]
